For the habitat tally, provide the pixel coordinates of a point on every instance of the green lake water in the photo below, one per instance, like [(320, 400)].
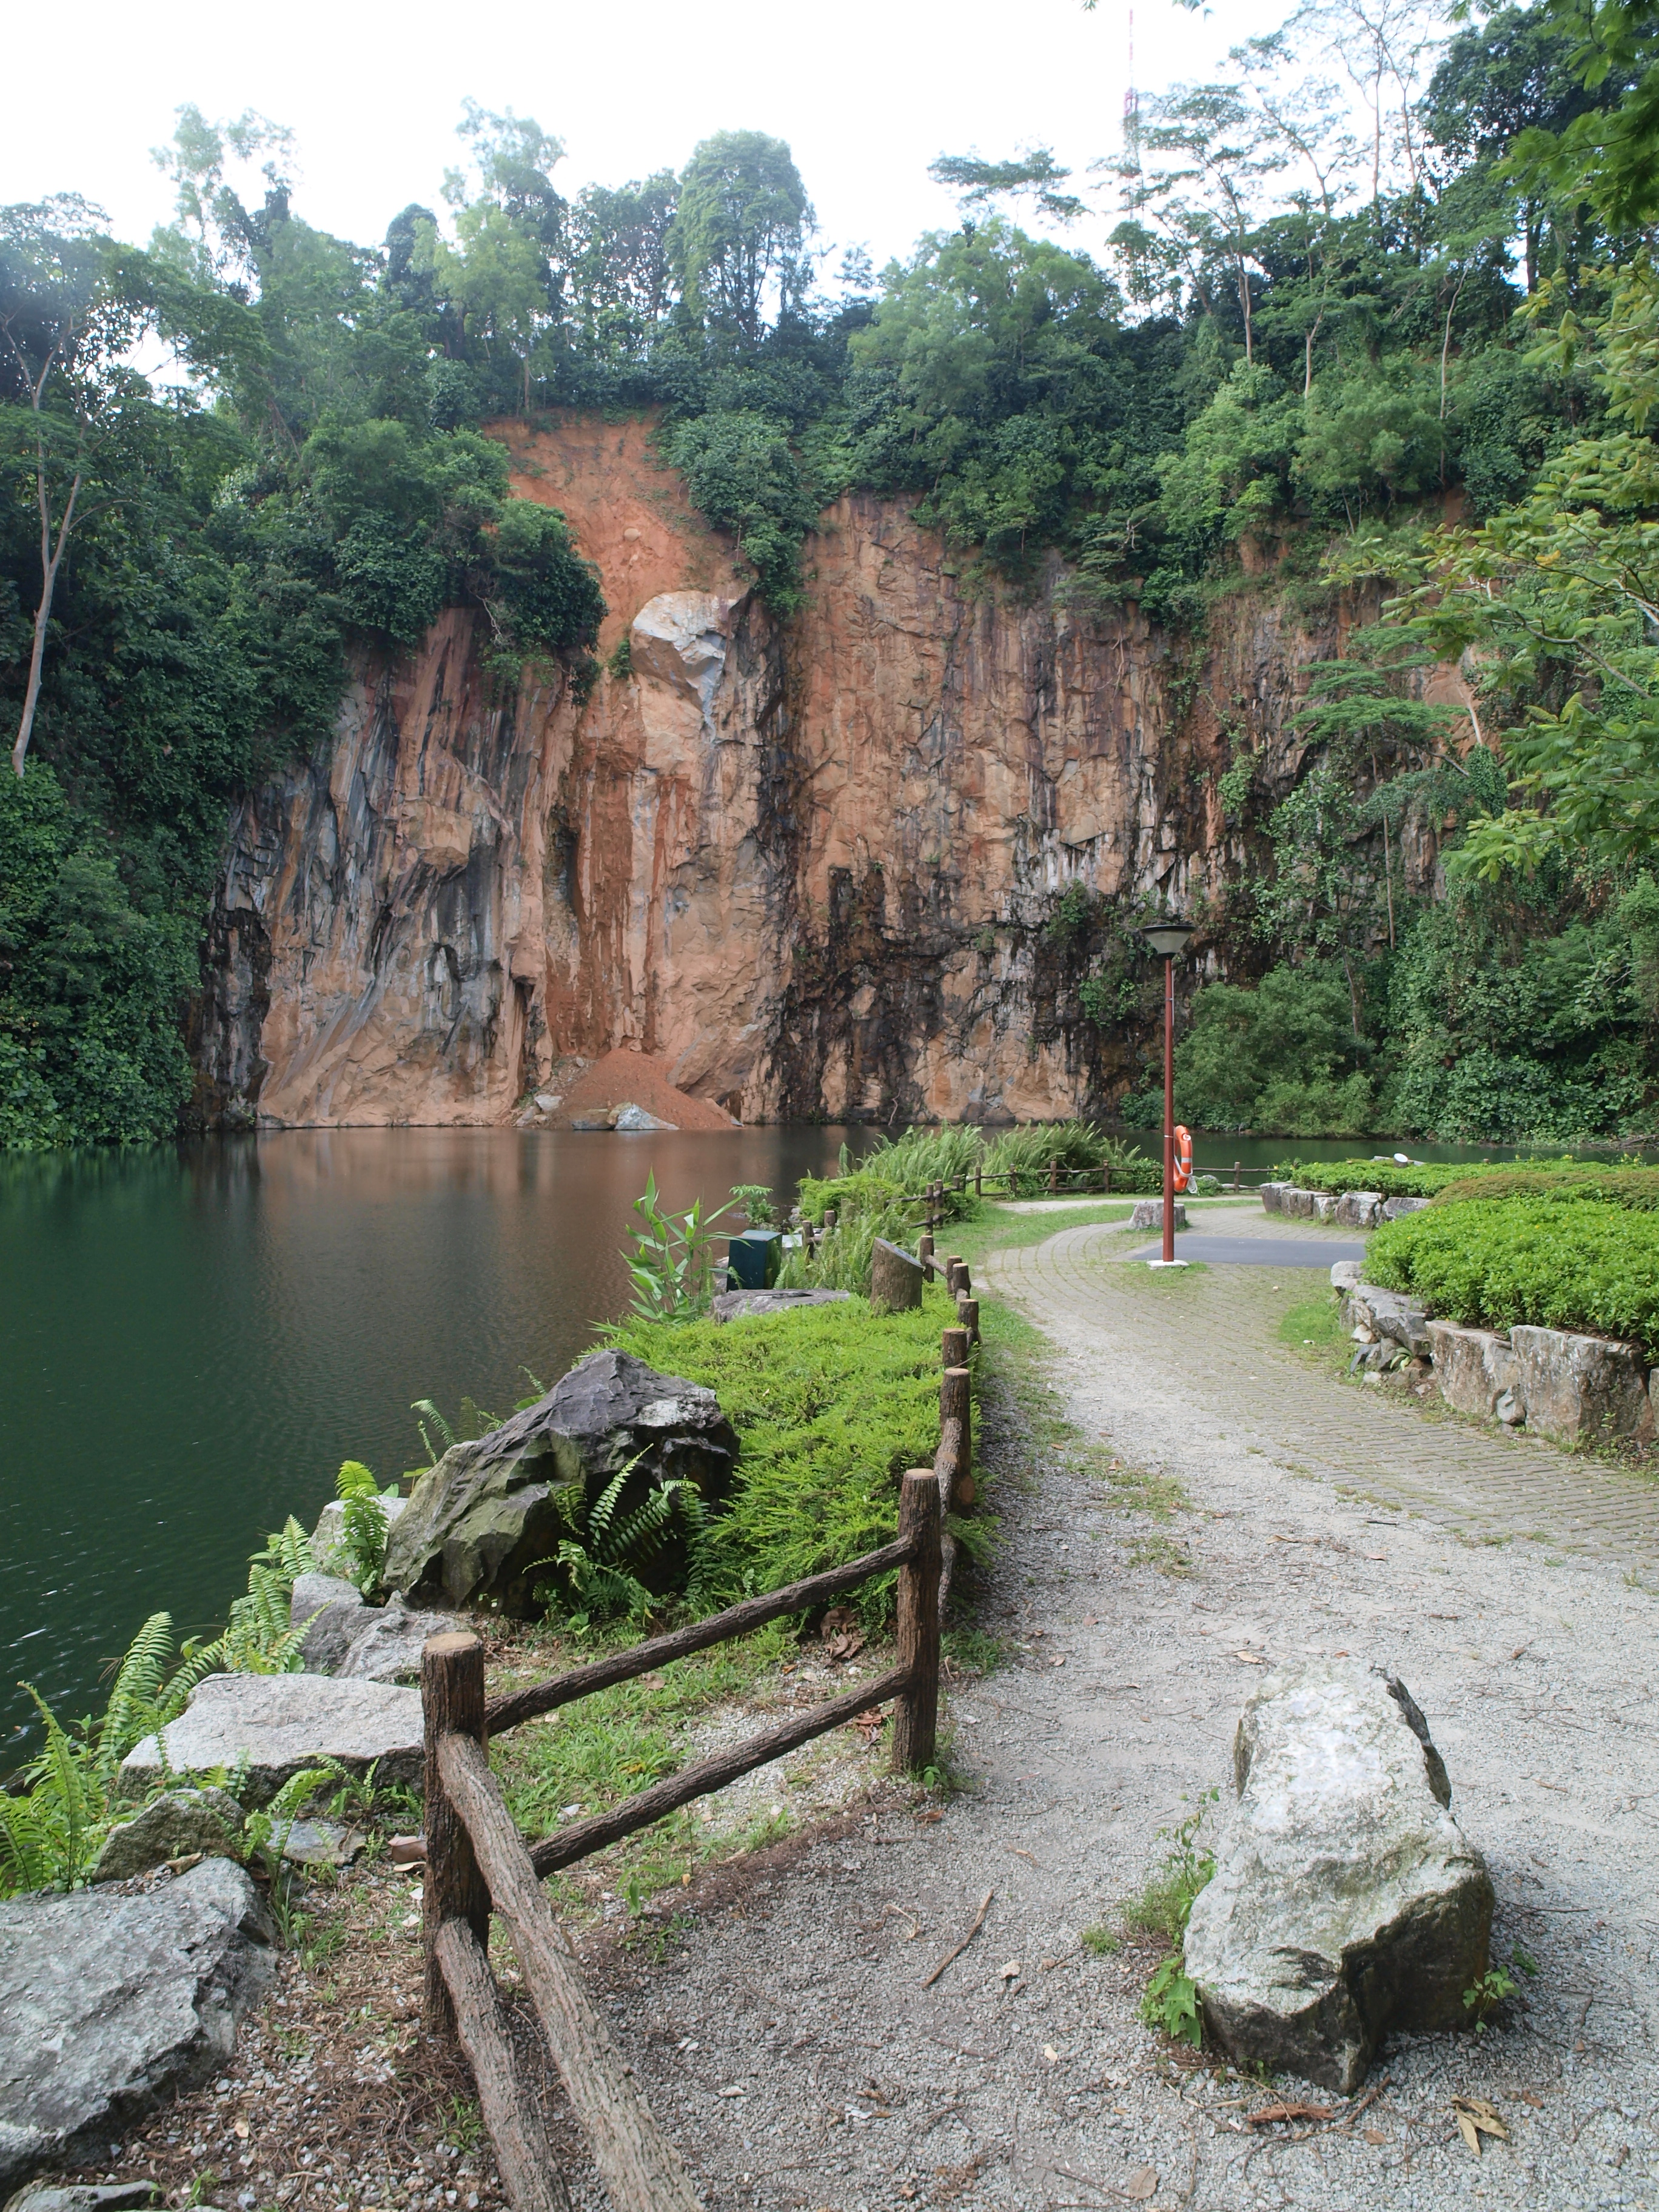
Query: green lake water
[(194, 1338)]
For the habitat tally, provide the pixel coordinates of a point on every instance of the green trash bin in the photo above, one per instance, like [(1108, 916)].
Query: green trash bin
[(752, 1260)]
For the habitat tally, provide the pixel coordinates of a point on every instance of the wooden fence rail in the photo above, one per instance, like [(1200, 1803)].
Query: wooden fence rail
[(478, 1863)]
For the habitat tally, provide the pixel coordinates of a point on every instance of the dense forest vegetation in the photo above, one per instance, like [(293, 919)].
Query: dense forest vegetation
[(1379, 304)]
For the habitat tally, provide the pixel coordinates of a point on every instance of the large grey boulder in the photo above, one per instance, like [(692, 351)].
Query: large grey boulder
[(1149, 1214), (483, 1524), (114, 2001), (1580, 1389), (279, 1724), (1297, 1205), (328, 1545), (83, 2197), (208, 1822), (358, 1642), (1474, 1367), (1391, 1315), (1360, 1209), (1272, 1197), (1394, 1207), (743, 1305), (386, 1642), (1346, 1902), (330, 1610)]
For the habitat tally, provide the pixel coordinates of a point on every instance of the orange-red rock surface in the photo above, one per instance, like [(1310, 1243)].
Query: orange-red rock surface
[(807, 868)]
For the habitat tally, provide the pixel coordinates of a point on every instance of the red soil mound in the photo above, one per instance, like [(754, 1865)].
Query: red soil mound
[(641, 1079)]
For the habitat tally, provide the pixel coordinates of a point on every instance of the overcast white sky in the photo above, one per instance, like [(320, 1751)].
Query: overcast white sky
[(868, 92)]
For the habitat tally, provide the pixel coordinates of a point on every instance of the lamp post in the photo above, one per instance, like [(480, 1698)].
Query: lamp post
[(1168, 938)]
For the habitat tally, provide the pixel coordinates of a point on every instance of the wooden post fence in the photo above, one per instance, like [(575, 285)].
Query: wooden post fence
[(478, 1861)]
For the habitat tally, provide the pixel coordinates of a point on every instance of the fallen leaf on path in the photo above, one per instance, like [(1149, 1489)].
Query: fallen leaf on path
[(1271, 2112), (242, 2130), (1475, 2117), (1375, 2135), (869, 1725), (1249, 1658), (1009, 1972), (1014, 1851), (1051, 2054), (1531, 2097), (1141, 2184)]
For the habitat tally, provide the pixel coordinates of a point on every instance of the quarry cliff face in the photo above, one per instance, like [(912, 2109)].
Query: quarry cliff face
[(813, 866)]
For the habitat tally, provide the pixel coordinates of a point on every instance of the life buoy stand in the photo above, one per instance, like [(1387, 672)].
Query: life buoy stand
[(1183, 1157)]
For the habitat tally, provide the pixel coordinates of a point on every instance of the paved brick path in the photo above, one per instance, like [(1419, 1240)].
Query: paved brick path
[(1213, 1333)]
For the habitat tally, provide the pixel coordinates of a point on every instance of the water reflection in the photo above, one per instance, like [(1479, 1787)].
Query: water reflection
[(195, 1337)]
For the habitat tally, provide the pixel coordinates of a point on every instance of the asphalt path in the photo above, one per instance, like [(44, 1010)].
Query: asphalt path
[(1258, 1251)]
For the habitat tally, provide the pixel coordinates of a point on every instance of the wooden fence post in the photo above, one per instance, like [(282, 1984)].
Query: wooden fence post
[(915, 1713), (1054, 1176), (967, 1317), (956, 1405), (954, 1266), (1237, 1166), (954, 1348), (452, 1703), (979, 1182), (925, 1254)]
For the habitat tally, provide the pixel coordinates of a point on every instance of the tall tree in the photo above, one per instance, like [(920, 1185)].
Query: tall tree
[(66, 324), (739, 231)]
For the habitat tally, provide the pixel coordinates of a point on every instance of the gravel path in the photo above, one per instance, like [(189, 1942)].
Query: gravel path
[(788, 2041)]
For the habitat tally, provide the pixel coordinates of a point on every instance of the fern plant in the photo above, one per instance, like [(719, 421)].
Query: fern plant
[(365, 1523), (601, 1565)]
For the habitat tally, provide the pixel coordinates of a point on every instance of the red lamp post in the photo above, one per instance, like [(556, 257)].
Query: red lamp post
[(1168, 937)]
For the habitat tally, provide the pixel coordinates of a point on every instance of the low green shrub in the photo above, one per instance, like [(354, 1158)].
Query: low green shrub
[(1635, 1187), (831, 1404), (1423, 1179), (1588, 1266)]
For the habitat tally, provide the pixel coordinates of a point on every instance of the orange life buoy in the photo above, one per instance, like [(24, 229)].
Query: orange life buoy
[(1183, 1157)]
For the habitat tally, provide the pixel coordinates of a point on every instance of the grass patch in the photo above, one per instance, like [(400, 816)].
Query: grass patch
[(1103, 1941), (604, 1749), (1166, 1553), (1315, 1321)]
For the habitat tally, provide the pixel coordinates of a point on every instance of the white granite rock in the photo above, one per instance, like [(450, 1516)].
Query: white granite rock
[(1346, 1902), (281, 1723)]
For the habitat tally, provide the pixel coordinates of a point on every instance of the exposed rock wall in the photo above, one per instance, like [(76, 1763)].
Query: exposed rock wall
[(809, 863)]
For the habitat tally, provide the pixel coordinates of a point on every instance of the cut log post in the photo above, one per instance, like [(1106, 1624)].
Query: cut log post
[(640, 2169), (915, 1714), (511, 2109), (808, 1238), (453, 1704), (954, 1348), (979, 1182), (967, 1317), (1054, 1176), (925, 1254), (956, 1425), (896, 1278), (954, 1264), (1238, 1166), (831, 1218)]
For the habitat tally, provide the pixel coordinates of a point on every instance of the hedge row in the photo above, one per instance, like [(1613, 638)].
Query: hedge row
[(1386, 1177), (1636, 1187), (1590, 1266), (830, 1405)]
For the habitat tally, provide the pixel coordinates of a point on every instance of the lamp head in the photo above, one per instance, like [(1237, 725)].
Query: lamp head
[(1168, 935)]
